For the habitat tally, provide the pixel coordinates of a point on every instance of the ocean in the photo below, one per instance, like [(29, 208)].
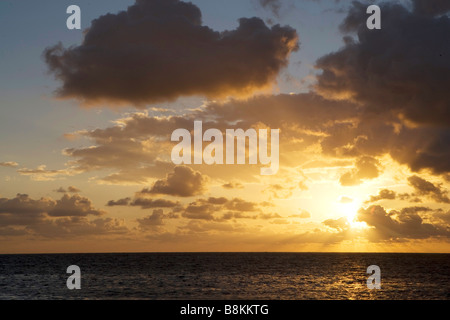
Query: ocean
[(224, 276)]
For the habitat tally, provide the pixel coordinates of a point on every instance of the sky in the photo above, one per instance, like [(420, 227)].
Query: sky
[(86, 118)]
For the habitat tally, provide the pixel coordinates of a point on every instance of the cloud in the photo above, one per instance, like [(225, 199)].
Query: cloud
[(144, 203), (273, 5), (74, 206), (137, 148), (423, 187), (182, 182), (338, 224), (70, 189), (399, 75), (384, 194), (41, 173), (11, 164), (237, 204), (406, 224), (45, 217), (222, 209), (159, 50), (400, 68), (154, 203), (120, 202), (66, 206), (70, 227), (366, 168), (444, 216), (73, 189), (153, 220), (23, 204), (431, 7), (233, 185)]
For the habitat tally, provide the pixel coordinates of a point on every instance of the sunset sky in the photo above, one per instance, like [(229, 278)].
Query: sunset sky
[(86, 118)]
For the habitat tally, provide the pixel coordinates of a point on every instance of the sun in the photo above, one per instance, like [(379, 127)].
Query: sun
[(349, 207)]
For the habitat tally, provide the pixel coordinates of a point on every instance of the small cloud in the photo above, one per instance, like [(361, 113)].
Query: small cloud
[(73, 189), (233, 185), (272, 5), (120, 202), (338, 224), (11, 164), (70, 189), (384, 194), (182, 182)]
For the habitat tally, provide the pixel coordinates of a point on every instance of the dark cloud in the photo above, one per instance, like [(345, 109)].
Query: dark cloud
[(406, 224), (74, 206), (120, 202), (273, 5), (182, 182), (444, 216), (400, 77), (384, 194), (201, 211), (237, 204), (285, 190), (45, 217), (70, 189), (70, 227), (431, 7), (23, 204), (159, 50), (153, 220), (423, 187), (145, 203), (221, 209), (403, 68)]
